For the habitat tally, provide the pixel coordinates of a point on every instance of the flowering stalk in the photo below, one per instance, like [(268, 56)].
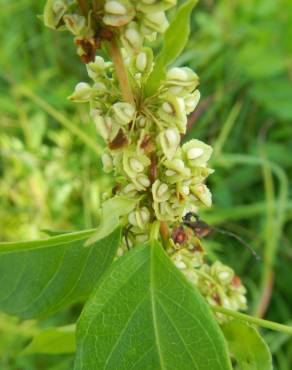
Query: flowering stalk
[(162, 178)]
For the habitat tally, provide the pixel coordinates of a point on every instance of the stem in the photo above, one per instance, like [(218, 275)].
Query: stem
[(121, 71), (254, 320), (97, 5), (154, 231), (164, 231), (83, 6)]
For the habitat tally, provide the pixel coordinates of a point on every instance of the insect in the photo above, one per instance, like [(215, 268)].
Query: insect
[(202, 229)]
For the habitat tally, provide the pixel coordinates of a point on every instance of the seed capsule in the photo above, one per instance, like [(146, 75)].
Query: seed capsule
[(136, 165), (141, 62), (114, 7), (194, 153)]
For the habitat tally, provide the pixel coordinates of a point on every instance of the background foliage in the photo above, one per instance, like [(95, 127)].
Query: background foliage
[(50, 172)]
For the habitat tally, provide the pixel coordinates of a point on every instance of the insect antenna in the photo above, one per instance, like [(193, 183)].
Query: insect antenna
[(238, 238), (202, 229)]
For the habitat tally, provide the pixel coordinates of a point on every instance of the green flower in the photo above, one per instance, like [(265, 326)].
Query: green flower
[(54, 12), (118, 13), (169, 141), (135, 164), (196, 153), (172, 112), (160, 191), (83, 93), (123, 113), (139, 218), (202, 193), (149, 6)]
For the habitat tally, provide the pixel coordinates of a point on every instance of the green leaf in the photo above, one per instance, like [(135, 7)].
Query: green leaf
[(12, 247), (175, 39), (40, 277), (247, 346), (145, 315), (53, 341), (112, 210)]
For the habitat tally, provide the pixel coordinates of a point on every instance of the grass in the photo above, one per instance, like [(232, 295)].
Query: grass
[(50, 171)]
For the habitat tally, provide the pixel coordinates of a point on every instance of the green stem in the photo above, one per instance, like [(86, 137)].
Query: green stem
[(154, 231), (122, 75), (253, 320)]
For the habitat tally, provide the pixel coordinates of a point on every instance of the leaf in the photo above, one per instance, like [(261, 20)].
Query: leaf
[(112, 210), (275, 96), (12, 247), (40, 277), (53, 341), (175, 39), (247, 346), (145, 315)]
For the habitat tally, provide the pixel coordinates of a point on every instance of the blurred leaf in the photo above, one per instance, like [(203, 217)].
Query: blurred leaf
[(247, 346), (145, 315), (275, 95), (53, 341), (175, 39), (40, 277)]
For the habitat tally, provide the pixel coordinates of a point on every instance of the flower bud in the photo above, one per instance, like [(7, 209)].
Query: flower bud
[(169, 141), (103, 126), (115, 7), (123, 113), (222, 273), (191, 101), (134, 164), (149, 6), (163, 211), (139, 218), (202, 193), (130, 190), (160, 191), (82, 93), (118, 13), (75, 23), (197, 153), (132, 36), (142, 62), (97, 68), (176, 171), (172, 112), (184, 77), (54, 12), (141, 182), (155, 21), (107, 162)]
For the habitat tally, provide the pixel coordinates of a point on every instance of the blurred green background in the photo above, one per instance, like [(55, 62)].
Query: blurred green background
[(50, 172)]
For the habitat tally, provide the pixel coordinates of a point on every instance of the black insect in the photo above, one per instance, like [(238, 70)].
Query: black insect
[(202, 229)]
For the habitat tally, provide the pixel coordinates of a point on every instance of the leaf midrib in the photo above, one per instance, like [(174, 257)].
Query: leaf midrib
[(153, 309)]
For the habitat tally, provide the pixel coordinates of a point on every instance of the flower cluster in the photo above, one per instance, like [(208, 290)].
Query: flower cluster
[(143, 140), (217, 282), (164, 179), (140, 19), (134, 21)]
